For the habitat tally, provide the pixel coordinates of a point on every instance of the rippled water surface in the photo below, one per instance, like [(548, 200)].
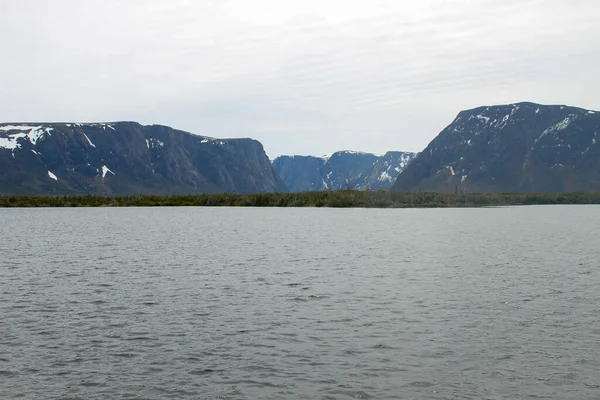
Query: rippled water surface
[(157, 303)]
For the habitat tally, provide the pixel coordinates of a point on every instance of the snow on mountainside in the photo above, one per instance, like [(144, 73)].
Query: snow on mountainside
[(14, 132), (341, 170), (522, 147), (128, 158)]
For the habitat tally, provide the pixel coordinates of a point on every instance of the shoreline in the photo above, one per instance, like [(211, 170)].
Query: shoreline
[(325, 199)]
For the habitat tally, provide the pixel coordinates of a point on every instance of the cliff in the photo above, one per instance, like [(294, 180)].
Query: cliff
[(128, 158)]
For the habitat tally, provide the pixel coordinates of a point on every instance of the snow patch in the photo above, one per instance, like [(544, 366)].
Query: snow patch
[(105, 171), (31, 133), (102, 125), (89, 141), (504, 121), (7, 128), (463, 178), (154, 143), (557, 127), (406, 158), (563, 124), (385, 177), (204, 140), (52, 176), (483, 118), (359, 152)]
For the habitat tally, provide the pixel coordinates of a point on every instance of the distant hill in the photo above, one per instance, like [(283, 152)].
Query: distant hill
[(522, 147), (341, 170), (128, 158)]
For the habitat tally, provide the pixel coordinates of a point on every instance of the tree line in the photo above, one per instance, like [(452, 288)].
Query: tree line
[(337, 199)]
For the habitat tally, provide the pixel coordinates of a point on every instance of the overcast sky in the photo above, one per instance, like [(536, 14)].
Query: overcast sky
[(303, 77)]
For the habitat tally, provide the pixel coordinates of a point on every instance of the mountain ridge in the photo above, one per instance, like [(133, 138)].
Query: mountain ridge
[(125, 157), (520, 147)]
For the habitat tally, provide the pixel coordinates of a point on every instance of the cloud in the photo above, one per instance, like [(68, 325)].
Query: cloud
[(302, 77)]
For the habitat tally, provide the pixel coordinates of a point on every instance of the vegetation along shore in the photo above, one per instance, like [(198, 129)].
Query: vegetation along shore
[(341, 198)]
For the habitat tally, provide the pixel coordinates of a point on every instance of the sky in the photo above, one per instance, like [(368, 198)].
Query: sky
[(302, 77)]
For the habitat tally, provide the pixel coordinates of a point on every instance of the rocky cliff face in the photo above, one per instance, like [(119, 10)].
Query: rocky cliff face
[(341, 170), (523, 147), (128, 158), (301, 173), (382, 174)]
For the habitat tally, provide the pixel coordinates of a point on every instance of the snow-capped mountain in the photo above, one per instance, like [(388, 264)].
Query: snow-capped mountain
[(522, 147), (341, 170), (128, 158)]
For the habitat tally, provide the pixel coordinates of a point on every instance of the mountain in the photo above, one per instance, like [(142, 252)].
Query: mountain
[(301, 173), (341, 170), (125, 158), (522, 147)]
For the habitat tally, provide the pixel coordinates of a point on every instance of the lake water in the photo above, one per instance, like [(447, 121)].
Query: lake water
[(158, 303)]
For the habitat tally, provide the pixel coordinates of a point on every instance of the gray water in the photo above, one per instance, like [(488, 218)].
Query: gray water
[(157, 303)]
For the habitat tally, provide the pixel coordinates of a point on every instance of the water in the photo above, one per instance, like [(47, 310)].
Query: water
[(158, 303)]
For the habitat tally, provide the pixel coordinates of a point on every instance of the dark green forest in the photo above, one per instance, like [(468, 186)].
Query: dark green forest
[(342, 198)]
